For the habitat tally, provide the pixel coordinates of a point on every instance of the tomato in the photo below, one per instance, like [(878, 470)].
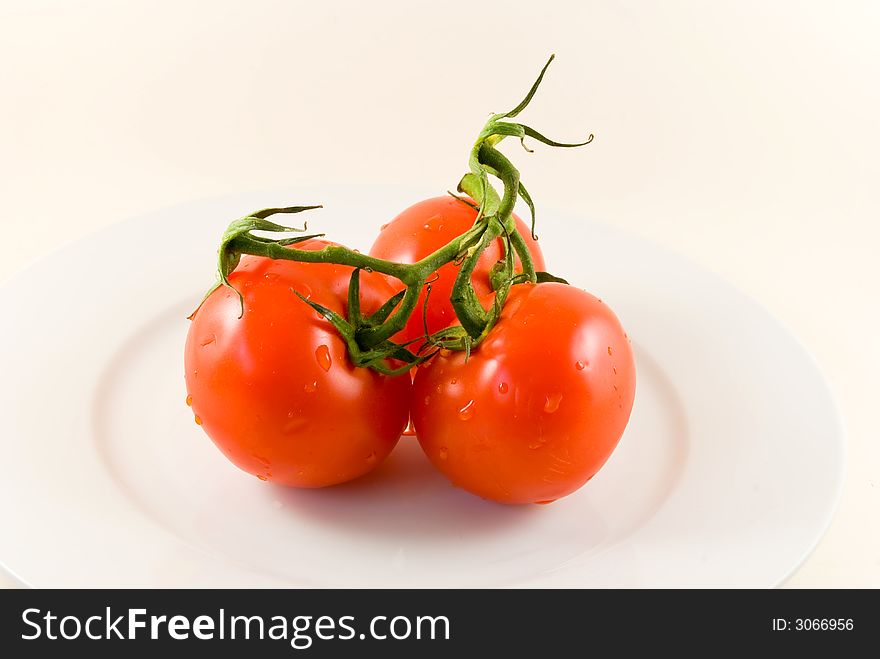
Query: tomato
[(426, 227), (274, 389), (538, 407)]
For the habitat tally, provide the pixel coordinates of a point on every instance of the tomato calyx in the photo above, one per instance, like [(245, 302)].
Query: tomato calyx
[(353, 326), (368, 339), (238, 234)]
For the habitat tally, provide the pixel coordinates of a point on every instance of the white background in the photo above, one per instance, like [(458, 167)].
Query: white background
[(744, 135)]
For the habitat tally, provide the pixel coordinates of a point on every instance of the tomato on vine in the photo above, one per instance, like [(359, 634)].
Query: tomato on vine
[(424, 228), (271, 382), (537, 408), (297, 362)]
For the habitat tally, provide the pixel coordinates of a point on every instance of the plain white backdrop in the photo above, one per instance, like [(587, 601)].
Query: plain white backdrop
[(741, 134)]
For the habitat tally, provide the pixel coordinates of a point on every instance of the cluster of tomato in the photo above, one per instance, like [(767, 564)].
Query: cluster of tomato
[(527, 416)]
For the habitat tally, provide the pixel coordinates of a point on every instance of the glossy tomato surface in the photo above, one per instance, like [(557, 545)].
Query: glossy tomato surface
[(274, 388), (538, 407), (424, 228)]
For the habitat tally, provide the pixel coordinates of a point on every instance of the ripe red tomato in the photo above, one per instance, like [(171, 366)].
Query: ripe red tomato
[(274, 389), (538, 407), (426, 227)]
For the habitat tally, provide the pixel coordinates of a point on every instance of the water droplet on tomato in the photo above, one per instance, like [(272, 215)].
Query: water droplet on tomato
[(296, 425), (579, 365), (272, 276), (545, 502), (614, 368), (371, 458), (609, 351), (434, 223), (503, 388), (262, 478), (427, 400), (311, 387), (198, 420), (453, 381), (189, 400), (322, 354), (552, 403), (467, 411), (443, 453)]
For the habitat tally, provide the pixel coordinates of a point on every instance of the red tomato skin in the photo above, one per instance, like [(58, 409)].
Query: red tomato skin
[(275, 390), (424, 228), (539, 406)]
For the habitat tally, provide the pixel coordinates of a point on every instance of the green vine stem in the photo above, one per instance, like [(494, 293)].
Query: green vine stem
[(369, 338)]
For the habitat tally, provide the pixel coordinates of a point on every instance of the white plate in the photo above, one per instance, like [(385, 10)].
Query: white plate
[(727, 475)]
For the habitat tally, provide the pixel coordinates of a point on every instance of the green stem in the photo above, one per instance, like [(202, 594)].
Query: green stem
[(509, 176), (368, 339), (525, 256), (330, 254), (464, 299), (420, 271), (449, 252)]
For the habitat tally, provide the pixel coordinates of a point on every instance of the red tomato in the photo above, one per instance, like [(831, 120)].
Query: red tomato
[(426, 227), (274, 389), (538, 407)]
